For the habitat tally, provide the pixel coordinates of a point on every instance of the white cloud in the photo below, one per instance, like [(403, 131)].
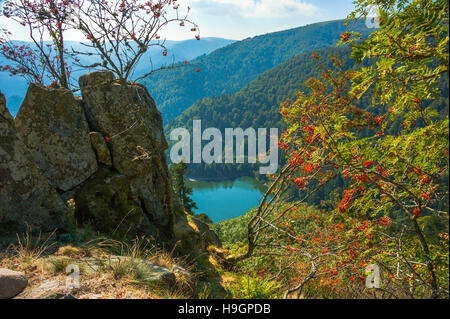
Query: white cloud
[(233, 19), (256, 8)]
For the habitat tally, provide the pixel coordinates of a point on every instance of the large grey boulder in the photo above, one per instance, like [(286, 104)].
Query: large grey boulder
[(11, 283), (134, 129), (26, 196), (128, 119), (51, 122)]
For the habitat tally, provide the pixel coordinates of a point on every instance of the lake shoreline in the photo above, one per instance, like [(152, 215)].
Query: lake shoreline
[(225, 199), (206, 179), (218, 179)]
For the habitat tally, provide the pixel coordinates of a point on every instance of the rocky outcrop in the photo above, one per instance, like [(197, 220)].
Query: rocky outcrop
[(192, 234), (11, 283), (51, 122), (4, 112), (128, 119), (26, 196), (125, 116), (105, 150), (208, 235)]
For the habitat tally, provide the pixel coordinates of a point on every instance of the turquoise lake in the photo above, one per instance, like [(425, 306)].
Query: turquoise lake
[(222, 200)]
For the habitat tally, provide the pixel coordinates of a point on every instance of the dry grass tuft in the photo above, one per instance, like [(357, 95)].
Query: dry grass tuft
[(73, 252), (28, 249), (100, 279)]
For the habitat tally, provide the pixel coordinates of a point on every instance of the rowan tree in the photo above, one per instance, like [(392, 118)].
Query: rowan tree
[(401, 177), (43, 60), (119, 33)]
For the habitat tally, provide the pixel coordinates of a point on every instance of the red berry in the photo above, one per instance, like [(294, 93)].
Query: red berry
[(367, 164), (425, 179), (425, 196)]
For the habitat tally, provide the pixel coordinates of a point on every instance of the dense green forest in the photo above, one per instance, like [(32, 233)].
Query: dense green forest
[(229, 69), (258, 105)]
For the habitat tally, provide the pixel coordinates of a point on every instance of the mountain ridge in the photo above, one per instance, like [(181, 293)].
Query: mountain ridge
[(257, 105), (230, 68)]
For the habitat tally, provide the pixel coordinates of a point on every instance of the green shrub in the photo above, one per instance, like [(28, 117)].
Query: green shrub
[(233, 230), (255, 288)]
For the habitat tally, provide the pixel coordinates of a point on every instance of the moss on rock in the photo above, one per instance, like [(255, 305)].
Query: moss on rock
[(107, 203)]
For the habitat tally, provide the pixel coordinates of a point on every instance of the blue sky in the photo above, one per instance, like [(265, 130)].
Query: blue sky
[(239, 19)]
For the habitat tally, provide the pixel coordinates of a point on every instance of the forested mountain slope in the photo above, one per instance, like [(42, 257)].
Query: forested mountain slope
[(229, 69), (258, 104)]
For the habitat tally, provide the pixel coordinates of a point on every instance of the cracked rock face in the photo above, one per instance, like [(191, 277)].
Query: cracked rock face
[(101, 149), (26, 196), (135, 130), (51, 122), (128, 119), (106, 202)]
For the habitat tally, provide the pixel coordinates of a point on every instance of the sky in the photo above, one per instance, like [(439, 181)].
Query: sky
[(239, 19)]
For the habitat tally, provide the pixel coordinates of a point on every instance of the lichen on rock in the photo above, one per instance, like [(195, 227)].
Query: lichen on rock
[(106, 202), (101, 149), (104, 151), (26, 197), (51, 122), (127, 124), (127, 116)]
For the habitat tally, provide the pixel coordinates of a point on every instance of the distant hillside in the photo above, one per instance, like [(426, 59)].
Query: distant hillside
[(229, 69), (15, 88), (258, 104)]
